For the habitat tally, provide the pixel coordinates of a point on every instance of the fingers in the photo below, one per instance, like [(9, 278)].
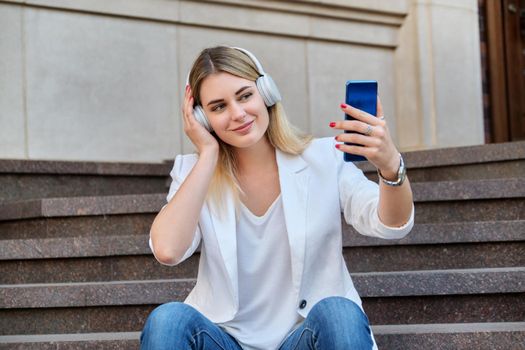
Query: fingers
[(362, 115), (379, 113), (360, 127), (187, 107), (366, 135), (359, 139)]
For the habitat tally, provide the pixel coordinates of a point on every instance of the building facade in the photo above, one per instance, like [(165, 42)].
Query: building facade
[(104, 80)]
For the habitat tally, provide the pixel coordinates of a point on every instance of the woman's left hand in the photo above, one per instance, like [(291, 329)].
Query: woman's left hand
[(372, 139)]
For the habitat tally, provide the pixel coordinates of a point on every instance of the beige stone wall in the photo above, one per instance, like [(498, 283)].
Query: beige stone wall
[(103, 79)]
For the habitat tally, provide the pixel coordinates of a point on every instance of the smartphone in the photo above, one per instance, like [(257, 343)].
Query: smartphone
[(361, 94)]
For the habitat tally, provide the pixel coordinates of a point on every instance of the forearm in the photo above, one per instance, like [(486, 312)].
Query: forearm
[(395, 204), (173, 229)]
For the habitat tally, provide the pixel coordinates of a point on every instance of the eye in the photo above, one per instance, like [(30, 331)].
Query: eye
[(218, 107), (245, 96)]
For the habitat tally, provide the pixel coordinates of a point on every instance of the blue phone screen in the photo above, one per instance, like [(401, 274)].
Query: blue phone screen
[(361, 94)]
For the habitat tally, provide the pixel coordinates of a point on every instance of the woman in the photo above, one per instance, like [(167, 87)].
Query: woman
[(264, 202)]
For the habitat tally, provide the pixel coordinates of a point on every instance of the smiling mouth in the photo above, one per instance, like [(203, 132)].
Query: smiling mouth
[(244, 126)]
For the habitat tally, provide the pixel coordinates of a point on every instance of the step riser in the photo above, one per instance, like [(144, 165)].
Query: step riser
[(405, 310), (435, 257), (426, 212), (455, 341), (481, 171), (140, 267), (358, 259), (500, 340), (89, 345), (446, 309), (27, 186), (74, 320), (126, 224), (478, 210)]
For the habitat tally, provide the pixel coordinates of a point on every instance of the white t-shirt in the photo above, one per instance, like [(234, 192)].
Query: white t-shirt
[(267, 302)]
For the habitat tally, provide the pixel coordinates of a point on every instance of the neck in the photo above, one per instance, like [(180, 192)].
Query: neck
[(260, 155)]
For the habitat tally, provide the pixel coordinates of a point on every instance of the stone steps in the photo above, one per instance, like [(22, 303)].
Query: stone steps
[(467, 336), (448, 201), (127, 257), (360, 259), (493, 161), (77, 272), (26, 179), (388, 298)]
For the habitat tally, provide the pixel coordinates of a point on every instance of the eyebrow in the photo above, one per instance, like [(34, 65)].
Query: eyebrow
[(238, 92)]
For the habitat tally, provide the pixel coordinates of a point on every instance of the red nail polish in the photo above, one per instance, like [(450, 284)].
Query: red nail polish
[(338, 146), (332, 124), (344, 105)]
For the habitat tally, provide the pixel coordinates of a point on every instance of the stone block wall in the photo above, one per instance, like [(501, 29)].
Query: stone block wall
[(103, 80)]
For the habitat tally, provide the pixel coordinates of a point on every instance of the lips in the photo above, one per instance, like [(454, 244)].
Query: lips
[(244, 126)]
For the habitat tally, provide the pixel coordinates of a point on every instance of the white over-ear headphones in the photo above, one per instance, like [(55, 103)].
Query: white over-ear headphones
[(265, 84)]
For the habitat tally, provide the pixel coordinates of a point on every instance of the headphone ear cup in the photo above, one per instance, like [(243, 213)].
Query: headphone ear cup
[(200, 116), (268, 90)]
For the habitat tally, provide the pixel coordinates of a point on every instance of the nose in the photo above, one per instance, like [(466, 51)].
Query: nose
[(238, 112)]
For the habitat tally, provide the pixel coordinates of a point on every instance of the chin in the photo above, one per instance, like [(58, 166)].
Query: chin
[(244, 141)]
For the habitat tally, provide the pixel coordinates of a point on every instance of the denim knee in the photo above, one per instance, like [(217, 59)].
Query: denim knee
[(339, 312), (173, 318), (339, 323)]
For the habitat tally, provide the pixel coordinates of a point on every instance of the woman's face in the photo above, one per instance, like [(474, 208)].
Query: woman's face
[(235, 109)]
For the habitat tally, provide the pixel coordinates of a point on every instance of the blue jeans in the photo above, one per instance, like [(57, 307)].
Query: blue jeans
[(333, 323)]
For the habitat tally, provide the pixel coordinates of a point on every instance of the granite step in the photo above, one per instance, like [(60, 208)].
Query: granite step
[(369, 285), (95, 245), (396, 310), (447, 201), (452, 336), (368, 259), (26, 179), (494, 336), (74, 341), (502, 160), (128, 257), (471, 295)]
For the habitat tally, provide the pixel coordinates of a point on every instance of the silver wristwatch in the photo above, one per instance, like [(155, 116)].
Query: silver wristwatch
[(401, 174)]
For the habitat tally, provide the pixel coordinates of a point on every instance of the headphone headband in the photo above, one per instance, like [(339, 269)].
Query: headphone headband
[(247, 53)]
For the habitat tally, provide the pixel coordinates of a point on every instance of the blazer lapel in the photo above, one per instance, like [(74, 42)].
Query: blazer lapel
[(293, 177)]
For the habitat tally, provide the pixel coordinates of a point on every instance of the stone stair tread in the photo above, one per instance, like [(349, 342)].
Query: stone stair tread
[(378, 329), (469, 189), (139, 203), (440, 282), (445, 233), (39, 338), (369, 284), (82, 206), (496, 152), (97, 246), (450, 328), (23, 166), (494, 335), (74, 247)]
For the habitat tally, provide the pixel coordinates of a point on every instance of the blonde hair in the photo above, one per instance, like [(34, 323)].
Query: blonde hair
[(281, 134)]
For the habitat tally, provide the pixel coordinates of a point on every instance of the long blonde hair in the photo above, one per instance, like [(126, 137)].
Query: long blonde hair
[(281, 134)]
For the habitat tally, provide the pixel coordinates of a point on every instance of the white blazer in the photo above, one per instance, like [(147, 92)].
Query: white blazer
[(315, 187)]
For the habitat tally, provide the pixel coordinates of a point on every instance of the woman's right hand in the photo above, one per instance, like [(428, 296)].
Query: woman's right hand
[(198, 134)]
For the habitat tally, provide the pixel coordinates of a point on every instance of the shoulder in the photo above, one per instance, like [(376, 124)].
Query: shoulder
[(183, 164), (321, 150)]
